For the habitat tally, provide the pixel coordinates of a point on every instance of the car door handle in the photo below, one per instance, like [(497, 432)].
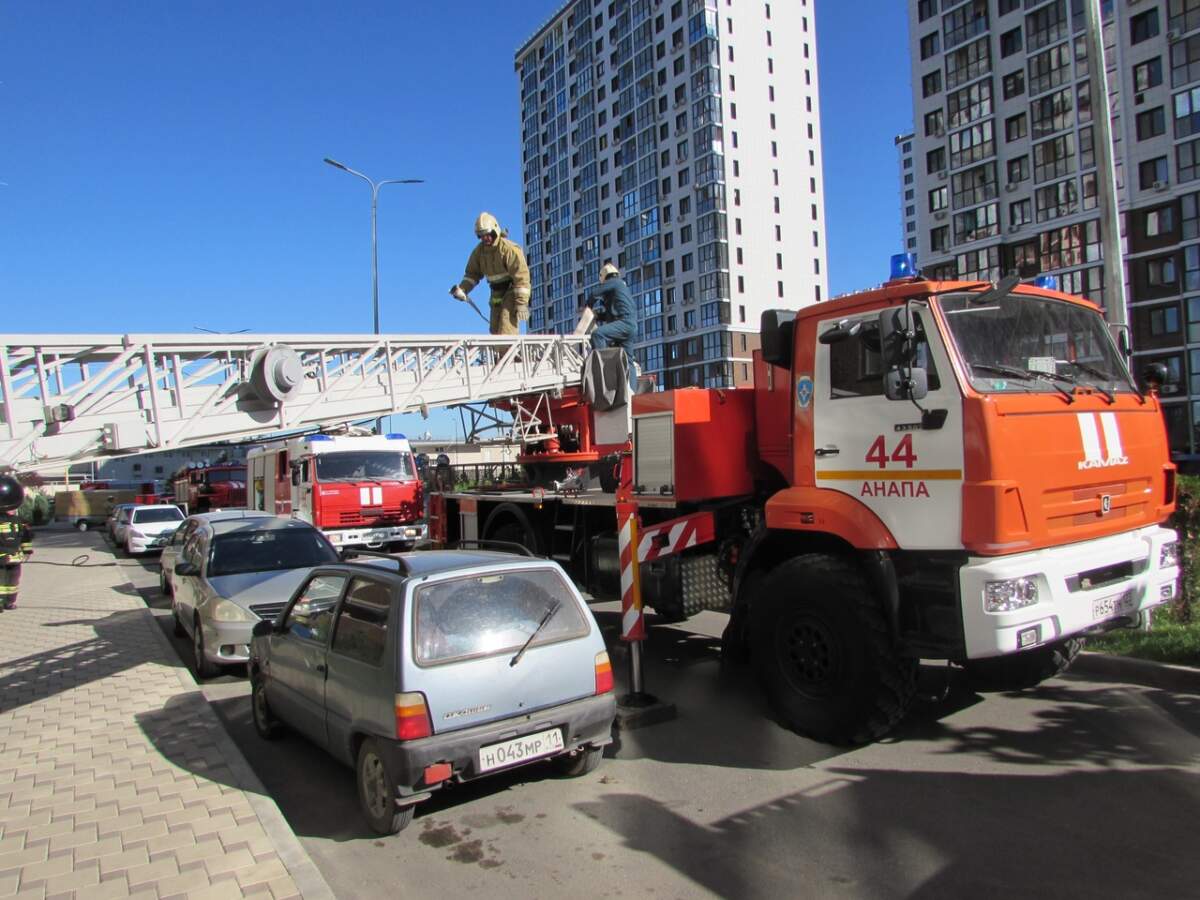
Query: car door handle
[(827, 450), (321, 668)]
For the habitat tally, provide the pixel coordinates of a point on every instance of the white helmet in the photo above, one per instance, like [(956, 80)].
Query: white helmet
[(608, 270)]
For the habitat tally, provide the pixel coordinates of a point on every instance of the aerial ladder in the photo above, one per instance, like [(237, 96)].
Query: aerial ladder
[(71, 398)]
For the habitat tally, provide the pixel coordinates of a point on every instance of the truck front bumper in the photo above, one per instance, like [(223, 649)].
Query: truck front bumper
[(375, 537), (1079, 587)]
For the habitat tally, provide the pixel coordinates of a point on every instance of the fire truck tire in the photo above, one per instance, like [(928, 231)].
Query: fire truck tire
[(821, 647), (1027, 669)]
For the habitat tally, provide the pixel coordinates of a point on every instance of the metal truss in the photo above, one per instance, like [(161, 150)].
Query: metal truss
[(73, 398)]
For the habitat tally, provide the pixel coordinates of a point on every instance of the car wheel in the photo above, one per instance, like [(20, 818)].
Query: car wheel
[(377, 792), (81, 525), (265, 723), (204, 668), (580, 764)]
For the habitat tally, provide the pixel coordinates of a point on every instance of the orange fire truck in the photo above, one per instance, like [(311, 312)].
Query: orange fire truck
[(955, 471)]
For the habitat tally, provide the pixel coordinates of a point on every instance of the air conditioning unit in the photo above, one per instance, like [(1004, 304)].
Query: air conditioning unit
[(1160, 185), (1173, 34), (942, 175), (940, 214), (1011, 187)]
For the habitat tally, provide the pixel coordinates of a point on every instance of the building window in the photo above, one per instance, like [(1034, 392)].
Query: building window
[(1056, 200), (972, 144), (966, 21), (1010, 42), (931, 83), (967, 63), (938, 198), (1018, 170), (1160, 272), (1187, 161), (1151, 122), (935, 160), (1020, 213), (1054, 158), (1164, 320), (925, 9), (1148, 74), (1152, 171), (930, 45), (1015, 127), (1014, 84), (1007, 6), (938, 238), (1055, 112), (1046, 26), (1050, 69), (1185, 61), (976, 223), (1143, 26), (1187, 113), (1184, 15), (1156, 222), (971, 103), (975, 185), (933, 124)]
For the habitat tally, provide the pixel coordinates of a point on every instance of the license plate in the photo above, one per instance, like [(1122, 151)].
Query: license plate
[(1109, 607), (522, 749)]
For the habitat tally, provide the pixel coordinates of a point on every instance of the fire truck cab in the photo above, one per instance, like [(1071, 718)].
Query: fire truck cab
[(360, 490)]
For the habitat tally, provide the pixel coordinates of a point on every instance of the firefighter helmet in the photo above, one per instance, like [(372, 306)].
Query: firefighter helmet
[(11, 493), (487, 224), (608, 270)]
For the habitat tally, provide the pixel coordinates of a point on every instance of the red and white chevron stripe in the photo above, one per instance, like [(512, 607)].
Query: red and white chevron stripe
[(675, 536), (633, 622)]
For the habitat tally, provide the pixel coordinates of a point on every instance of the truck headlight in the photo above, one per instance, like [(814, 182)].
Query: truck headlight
[(1169, 555), (1010, 594), (222, 610)]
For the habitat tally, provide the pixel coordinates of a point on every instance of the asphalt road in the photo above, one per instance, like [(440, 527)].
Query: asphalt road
[(1082, 787)]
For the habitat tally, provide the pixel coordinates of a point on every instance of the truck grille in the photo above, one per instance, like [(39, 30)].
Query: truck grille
[(267, 610), (383, 515)]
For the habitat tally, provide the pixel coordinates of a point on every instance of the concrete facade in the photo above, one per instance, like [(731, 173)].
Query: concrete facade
[(680, 141)]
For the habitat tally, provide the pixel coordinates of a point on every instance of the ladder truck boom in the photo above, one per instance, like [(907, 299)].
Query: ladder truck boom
[(67, 398)]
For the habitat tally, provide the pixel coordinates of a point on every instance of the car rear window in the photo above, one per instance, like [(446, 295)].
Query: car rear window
[(167, 514), (265, 551), (485, 615)]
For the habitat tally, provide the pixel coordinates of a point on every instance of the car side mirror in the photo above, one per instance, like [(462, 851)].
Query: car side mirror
[(264, 628), (906, 384), (186, 568)]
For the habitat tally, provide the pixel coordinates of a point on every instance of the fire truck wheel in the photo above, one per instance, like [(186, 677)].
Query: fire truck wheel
[(1019, 671), (822, 649)]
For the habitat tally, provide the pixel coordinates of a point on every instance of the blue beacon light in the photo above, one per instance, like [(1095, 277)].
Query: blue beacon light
[(904, 265), (1047, 282)]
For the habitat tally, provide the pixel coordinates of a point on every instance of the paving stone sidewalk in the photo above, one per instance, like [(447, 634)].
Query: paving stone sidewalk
[(117, 779)]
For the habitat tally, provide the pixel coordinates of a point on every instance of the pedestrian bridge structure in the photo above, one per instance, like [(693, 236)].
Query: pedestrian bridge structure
[(67, 398)]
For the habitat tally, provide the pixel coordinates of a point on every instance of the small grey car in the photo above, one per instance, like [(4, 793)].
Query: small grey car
[(430, 668)]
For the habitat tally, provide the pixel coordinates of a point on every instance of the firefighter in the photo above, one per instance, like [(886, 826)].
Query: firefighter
[(16, 540), (614, 310), (502, 263)]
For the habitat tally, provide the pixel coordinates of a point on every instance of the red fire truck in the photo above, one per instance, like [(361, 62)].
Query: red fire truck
[(360, 490), (954, 471), (207, 487)]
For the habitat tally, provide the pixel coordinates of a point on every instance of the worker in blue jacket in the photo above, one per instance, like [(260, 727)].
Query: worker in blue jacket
[(613, 308)]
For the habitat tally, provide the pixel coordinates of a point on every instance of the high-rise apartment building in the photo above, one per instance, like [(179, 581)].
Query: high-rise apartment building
[(908, 193), (680, 140), (1006, 162)]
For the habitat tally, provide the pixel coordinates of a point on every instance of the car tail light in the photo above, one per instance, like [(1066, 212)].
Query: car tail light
[(412, 717), (604, 676)]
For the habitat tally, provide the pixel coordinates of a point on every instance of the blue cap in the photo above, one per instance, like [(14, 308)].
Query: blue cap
[(1049, 282), (904, 265)]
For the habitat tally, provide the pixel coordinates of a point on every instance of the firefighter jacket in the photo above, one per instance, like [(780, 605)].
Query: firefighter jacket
[(503, 265), (614, 302), (16, 540)]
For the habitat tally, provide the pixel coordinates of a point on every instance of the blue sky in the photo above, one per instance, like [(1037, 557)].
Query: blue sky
[(160, 165)]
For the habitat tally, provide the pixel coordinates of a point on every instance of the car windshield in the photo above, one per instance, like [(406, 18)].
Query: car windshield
[(483, 615), (364, 465), (227, 475), (265, 551), (164, 514), (1025, 344)]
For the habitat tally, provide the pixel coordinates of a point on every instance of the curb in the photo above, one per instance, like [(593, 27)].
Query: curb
[(1180, 679), (309, 880)]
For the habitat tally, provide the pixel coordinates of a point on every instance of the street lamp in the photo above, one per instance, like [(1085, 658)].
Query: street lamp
[(375, 186)]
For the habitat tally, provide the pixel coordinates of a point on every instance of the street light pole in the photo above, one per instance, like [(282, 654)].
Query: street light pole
[(375, 186)]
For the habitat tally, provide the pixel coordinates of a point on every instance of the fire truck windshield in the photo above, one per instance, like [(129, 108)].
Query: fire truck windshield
[(227, 475), (1022, 344), (364, 465)]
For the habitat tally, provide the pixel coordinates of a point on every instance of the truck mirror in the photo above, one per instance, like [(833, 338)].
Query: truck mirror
[(897, 338), (295, 475), (776, 331), (906, 384)]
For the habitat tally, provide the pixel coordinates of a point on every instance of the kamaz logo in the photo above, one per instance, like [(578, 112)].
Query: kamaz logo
[(1101, 443)]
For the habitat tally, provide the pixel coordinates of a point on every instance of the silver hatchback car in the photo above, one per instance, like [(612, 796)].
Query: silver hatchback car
[(430, 668)]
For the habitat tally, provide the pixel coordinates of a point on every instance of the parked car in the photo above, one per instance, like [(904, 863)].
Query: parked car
[(118, 514), (144, 529), (435, 667), (233, 572), (171, 550)]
